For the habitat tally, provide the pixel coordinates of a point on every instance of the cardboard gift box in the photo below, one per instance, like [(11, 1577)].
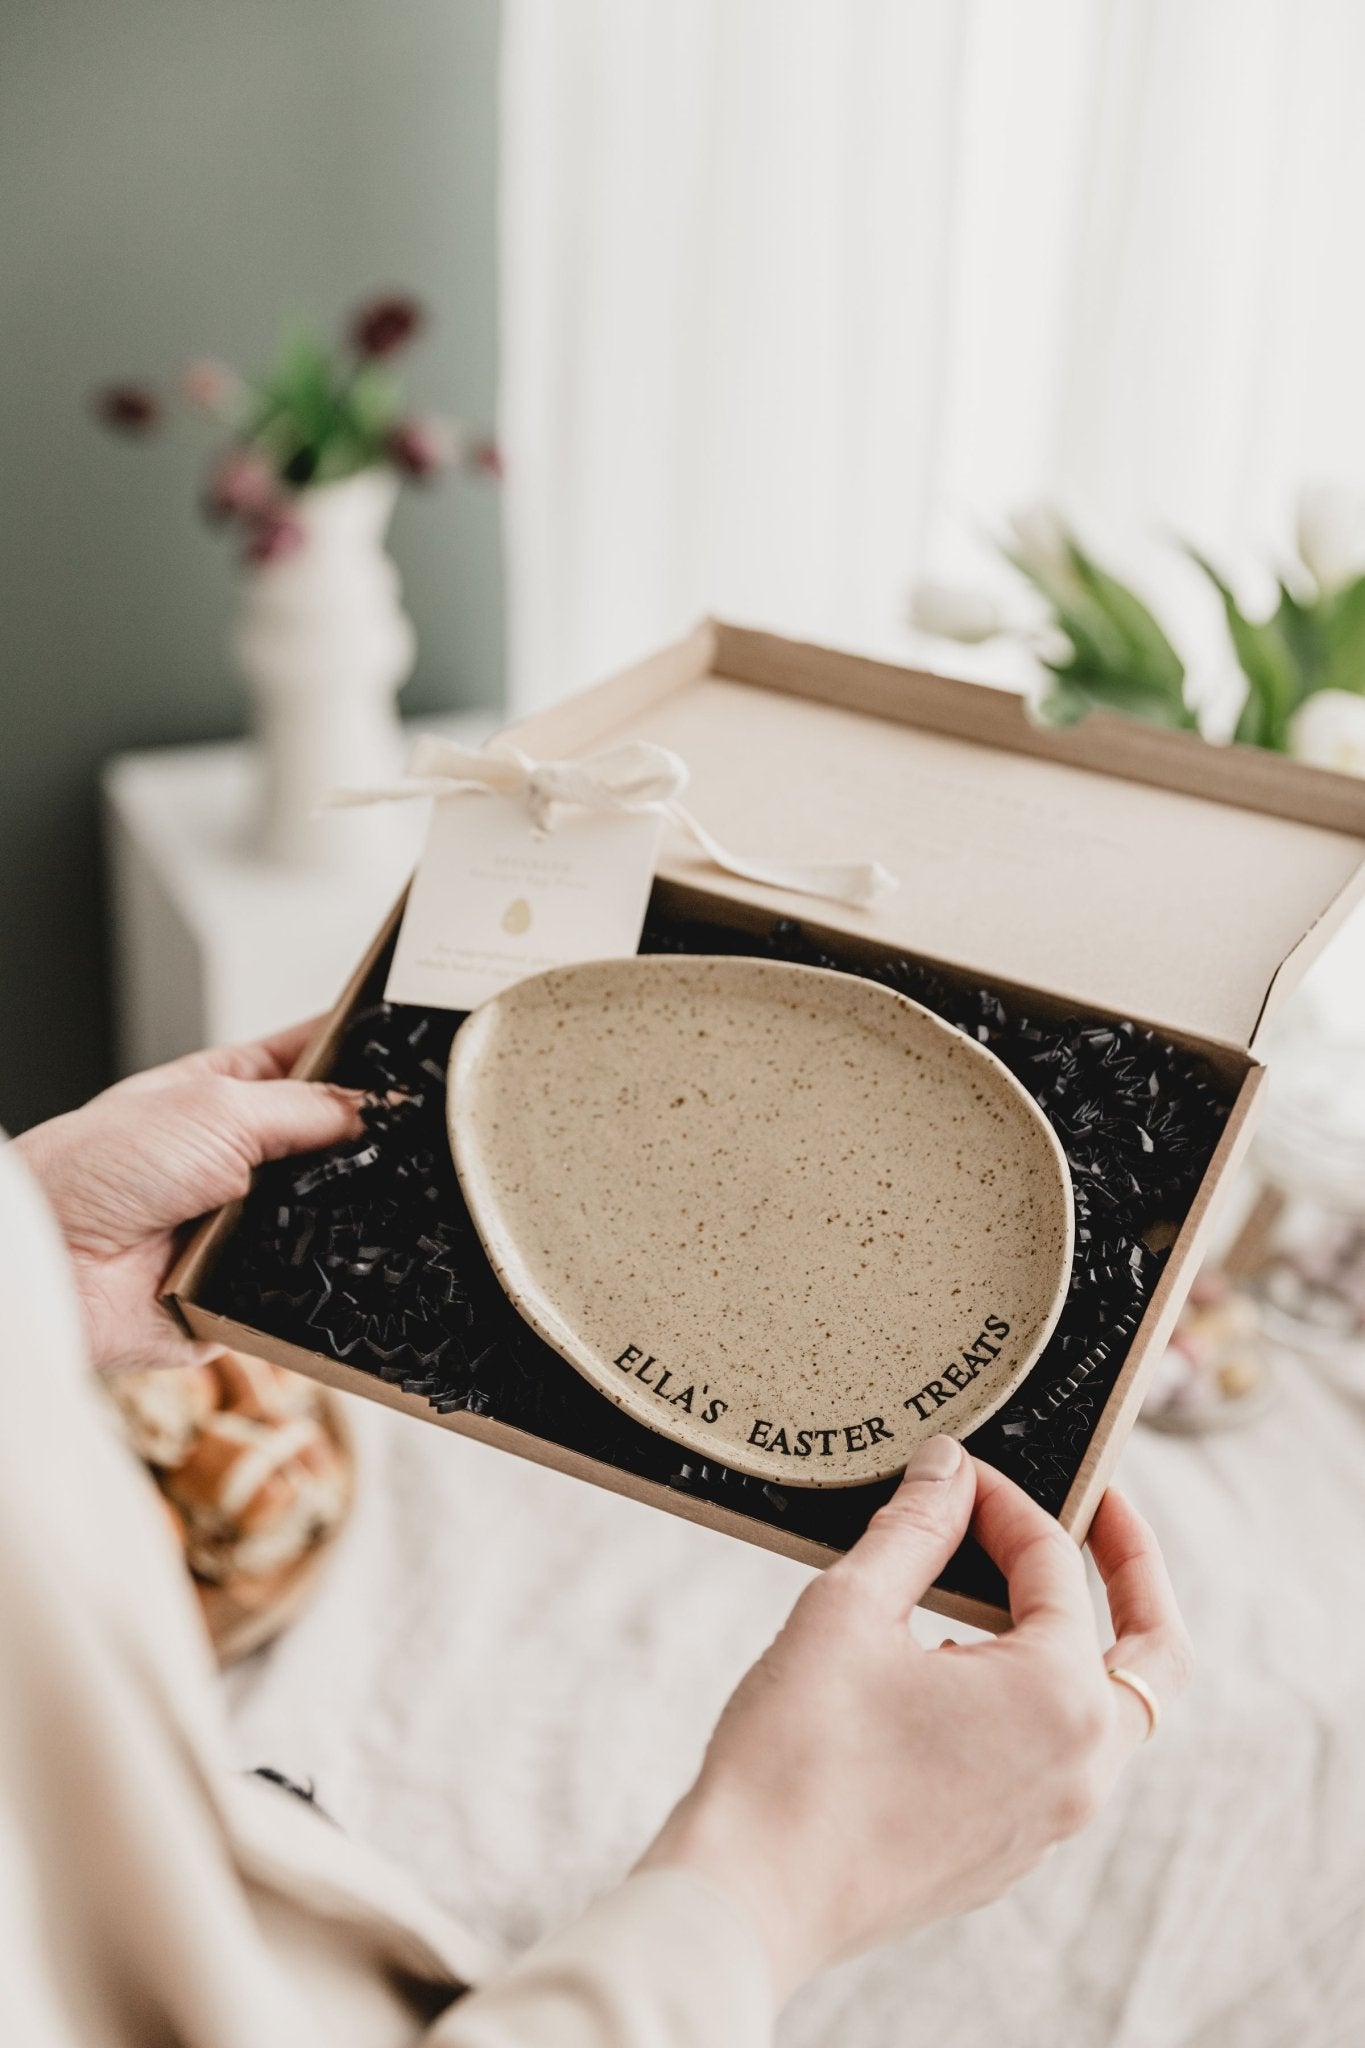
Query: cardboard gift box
[(1113, 871)]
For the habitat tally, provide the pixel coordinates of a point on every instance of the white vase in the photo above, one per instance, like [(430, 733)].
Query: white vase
[(324, 644)]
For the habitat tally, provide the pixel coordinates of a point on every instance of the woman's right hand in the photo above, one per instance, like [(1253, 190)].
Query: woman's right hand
[(859, 1785)]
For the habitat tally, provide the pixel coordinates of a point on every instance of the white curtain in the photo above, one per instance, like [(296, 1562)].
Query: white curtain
[(801, 297)]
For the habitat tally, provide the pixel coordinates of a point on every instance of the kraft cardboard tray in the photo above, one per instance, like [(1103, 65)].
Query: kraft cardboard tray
[(1113, 871)]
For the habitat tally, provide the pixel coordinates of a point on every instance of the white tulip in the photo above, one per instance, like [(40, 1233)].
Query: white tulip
[(1038, 542), (1331, 535), (1328, 730), (1038, 538), (955, 611)]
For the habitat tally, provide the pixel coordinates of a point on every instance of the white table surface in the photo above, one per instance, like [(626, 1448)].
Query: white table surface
[(508, 1676)]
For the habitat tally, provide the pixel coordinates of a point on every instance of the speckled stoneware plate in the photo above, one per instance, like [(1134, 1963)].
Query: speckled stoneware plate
[(782, 1215)]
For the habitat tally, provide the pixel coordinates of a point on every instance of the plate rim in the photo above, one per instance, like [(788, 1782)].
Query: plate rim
[(533, 1307)]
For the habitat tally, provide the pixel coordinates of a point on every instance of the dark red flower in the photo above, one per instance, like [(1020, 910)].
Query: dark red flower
[(420, 448), (128, 408), (273, 537), (486, 457), (241, 485), (385, 325)]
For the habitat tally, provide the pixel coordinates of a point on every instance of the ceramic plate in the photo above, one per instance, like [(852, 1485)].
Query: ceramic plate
[(782, 1215)]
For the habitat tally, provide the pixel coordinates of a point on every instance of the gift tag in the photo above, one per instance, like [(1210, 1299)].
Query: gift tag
[(494, 899)]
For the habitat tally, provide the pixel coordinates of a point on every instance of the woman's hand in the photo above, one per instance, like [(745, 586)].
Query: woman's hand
[(859, 1785), (127, 1171)]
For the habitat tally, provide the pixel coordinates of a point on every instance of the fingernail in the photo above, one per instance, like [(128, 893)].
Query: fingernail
[(937, 1458)]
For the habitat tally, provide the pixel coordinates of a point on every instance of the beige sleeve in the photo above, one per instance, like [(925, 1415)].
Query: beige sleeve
[(148, 1891), (665, 1962)]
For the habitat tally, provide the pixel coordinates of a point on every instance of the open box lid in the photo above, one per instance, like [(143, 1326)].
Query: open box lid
[(1121, 867)]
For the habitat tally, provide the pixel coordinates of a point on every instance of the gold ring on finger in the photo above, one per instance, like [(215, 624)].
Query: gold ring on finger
[(1141, 1690)]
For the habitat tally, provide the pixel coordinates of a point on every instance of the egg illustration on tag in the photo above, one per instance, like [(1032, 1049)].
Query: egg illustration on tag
[(516, 919)]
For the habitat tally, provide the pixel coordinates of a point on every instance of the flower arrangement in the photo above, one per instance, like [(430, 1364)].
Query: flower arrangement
[(319, 414), (1102, 647)]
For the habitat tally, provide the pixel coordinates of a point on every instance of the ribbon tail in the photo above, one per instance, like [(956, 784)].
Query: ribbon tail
[(856, 882), (348, 799)]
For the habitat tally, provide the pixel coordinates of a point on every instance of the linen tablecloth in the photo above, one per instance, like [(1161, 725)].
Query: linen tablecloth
[(509, 1675)]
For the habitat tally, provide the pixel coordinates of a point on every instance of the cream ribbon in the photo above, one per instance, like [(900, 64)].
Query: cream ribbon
[(636, 777)]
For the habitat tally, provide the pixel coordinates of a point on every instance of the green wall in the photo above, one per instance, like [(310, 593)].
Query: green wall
[(176, 177)]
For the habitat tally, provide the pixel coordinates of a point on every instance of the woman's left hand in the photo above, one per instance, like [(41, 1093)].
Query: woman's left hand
[(129, 1170)]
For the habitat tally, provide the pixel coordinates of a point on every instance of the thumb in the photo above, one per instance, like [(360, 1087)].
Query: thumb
[(277, 1118), (908, 1542)]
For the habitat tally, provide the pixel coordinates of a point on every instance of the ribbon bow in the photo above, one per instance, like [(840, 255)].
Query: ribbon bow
[(637, 776)]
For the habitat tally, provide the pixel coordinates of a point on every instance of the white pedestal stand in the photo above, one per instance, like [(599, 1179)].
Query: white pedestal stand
[(210, 942)]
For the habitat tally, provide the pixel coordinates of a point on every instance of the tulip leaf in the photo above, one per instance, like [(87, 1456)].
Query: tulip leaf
[(319, 419), (371, 409), (1304, 633), (302, 385), (372, 399), (1091, 634), (1343, 666), (1120, 658), (1079, 689), (1275, 686), (1153, 656), (1064, 704)]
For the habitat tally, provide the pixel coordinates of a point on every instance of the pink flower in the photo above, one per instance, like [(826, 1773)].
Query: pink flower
[(420, 448), (241, 485), (384, 325), (128, 408), (273, 537), (486, 457), (211, 386)]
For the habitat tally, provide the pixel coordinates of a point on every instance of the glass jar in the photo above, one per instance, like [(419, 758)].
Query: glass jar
[(1311, 1151)]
